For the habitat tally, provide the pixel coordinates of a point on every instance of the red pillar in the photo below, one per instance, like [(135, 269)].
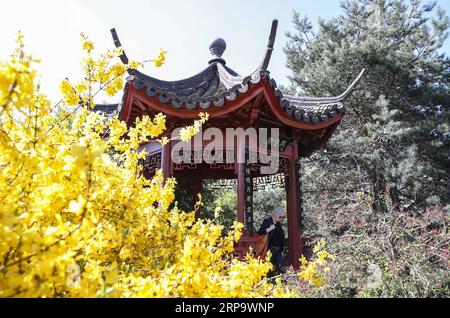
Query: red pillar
[(166, 160), (240, 157), (240, 192), (294, 236)]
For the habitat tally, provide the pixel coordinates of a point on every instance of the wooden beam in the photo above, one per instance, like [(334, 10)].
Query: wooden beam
[(275, 123), (126, 111), (141, 106), (258, 101), (254, 115)]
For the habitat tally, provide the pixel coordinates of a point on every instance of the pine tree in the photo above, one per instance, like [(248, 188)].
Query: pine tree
[(397, 129), (377, 191)]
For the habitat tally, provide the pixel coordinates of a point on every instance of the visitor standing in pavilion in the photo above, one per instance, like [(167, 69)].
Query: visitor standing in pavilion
[(271, 227)]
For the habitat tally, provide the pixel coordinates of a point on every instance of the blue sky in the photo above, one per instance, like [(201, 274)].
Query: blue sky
[(182, 27)]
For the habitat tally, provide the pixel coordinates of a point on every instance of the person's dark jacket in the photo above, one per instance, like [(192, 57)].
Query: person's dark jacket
[(276, 236)]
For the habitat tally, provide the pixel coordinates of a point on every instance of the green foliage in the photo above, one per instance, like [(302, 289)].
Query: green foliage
[(391, 153), (226, 199), (398, 121), (220, 204)]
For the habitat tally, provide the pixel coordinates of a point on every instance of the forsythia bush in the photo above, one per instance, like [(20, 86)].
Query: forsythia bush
[(313, 272), (78, 219)]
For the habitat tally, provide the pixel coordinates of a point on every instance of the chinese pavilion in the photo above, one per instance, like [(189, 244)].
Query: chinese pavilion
[(232, 101)]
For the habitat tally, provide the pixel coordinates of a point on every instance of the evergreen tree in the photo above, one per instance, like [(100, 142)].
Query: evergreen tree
[(378, 189), (396, 131)]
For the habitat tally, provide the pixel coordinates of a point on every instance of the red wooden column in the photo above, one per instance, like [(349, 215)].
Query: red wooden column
[(240, 157), (294, 237), (166, 160)]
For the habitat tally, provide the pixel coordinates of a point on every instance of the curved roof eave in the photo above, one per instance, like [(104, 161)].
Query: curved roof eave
[(218, 85)]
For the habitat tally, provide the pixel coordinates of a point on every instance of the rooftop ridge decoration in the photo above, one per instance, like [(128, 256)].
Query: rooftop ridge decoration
[(218, 85), (217, 47)]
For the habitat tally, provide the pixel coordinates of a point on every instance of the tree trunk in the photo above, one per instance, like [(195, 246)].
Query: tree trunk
[(378, 183), (384, 191), (394, 195)]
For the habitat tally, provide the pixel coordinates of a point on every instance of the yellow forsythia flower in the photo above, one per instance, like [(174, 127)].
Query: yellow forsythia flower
[(314, 271), (70, 96), (160, 59), (86, 44)]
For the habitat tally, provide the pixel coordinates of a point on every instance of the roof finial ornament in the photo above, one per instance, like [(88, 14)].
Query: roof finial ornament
[(217, 47), (270, 43)]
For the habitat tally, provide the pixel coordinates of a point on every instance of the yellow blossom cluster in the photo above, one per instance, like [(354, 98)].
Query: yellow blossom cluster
[(102, 73), (15, 72), (315, 271), (160, 58), (186, 133), (86, 44)]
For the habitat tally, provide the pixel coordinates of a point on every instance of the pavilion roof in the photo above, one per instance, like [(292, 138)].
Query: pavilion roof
[(218, 85)]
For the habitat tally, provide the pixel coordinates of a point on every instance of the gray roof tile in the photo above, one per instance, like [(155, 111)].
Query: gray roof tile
[(107, 109)]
